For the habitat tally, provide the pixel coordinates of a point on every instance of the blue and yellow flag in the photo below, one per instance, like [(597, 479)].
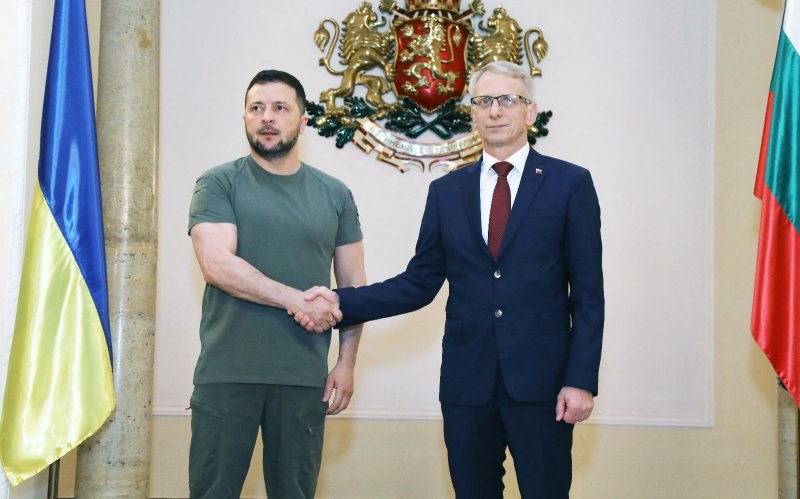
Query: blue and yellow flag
[(59, 388)]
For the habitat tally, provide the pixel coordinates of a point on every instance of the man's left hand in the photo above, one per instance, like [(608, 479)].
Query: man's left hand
[(574, 405), (338, 388)]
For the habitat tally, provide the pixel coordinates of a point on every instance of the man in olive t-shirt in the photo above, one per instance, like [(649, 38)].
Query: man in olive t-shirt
[(263, 228)]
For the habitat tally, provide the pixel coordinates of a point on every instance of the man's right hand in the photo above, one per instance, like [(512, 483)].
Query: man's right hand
[(321, 311)]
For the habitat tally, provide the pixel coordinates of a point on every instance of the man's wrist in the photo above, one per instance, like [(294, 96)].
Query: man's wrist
[(292, 299)]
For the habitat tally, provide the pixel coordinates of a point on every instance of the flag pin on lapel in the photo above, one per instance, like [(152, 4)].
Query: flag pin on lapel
[(538, 171)]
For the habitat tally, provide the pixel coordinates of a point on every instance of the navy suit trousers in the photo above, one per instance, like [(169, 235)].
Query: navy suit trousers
[(477, 438)]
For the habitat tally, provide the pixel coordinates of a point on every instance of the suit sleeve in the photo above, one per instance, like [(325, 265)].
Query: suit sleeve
[(406, 292), (586, 298)]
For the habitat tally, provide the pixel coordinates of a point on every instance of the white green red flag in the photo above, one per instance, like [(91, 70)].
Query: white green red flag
[(775, 321)]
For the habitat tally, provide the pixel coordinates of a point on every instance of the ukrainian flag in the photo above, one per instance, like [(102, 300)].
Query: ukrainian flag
[(59, 388)]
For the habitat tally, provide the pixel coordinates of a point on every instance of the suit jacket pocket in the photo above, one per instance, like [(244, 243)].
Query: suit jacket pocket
[(545, 227), (542, 213), (452, 327), (553, 320), (453, 332)]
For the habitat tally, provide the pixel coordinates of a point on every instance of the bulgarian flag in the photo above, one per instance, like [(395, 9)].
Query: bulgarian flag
[(59, 388), (775, 322)]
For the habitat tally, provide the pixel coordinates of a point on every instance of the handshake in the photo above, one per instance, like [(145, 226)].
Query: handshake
[(318, 311)]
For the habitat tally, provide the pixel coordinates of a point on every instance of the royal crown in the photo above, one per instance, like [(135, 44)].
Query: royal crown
[(446, 5)]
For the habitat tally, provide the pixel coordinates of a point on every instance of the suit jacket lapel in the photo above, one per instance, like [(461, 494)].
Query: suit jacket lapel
[(472, 195), (528, 187)]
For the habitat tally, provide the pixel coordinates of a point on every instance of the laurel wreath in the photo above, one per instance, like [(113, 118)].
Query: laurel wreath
[(404, 117)]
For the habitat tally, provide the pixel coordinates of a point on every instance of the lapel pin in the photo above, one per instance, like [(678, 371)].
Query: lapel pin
[(538, 171)]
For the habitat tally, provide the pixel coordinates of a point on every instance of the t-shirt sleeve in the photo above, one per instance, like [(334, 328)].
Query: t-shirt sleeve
[(349, 225), (211, 201)]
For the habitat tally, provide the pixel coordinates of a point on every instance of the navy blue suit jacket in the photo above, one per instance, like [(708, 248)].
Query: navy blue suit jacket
[(537, 311)]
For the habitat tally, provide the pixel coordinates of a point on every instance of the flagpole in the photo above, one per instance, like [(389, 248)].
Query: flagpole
[(788, 445), (52, 479)]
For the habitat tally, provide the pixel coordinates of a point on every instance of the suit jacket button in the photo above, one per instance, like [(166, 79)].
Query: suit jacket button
[(498, 313), (497, 274)]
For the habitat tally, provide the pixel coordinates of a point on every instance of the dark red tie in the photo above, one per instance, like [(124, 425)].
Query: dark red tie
[(501, 207)]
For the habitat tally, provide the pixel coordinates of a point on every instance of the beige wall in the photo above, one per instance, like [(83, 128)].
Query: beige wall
[(737, 457)]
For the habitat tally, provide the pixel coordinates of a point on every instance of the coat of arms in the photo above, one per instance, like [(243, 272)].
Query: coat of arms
[(423, 55)]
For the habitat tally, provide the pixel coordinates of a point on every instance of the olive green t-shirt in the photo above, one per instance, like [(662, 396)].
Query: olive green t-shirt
[(288, 228)]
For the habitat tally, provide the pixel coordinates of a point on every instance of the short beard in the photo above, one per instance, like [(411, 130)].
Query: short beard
[(276, 152)]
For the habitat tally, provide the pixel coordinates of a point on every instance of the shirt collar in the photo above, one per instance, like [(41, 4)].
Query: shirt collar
[(518, 160)]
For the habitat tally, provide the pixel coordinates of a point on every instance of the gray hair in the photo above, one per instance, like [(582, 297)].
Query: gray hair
[(506, 68)]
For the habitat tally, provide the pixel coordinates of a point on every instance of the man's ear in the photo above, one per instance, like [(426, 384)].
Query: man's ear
[(532, 113)]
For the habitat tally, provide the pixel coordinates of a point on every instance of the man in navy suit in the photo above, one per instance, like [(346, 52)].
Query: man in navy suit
[(524, 317)]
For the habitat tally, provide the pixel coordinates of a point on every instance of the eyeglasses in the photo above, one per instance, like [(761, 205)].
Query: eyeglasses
[(505, 101)]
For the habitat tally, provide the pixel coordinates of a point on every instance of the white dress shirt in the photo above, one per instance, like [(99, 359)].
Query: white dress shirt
[(489, 179)]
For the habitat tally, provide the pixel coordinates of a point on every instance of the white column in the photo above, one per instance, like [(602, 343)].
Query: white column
[(115, 462)]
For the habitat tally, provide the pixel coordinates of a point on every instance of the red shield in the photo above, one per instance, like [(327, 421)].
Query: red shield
[(430, 60)]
